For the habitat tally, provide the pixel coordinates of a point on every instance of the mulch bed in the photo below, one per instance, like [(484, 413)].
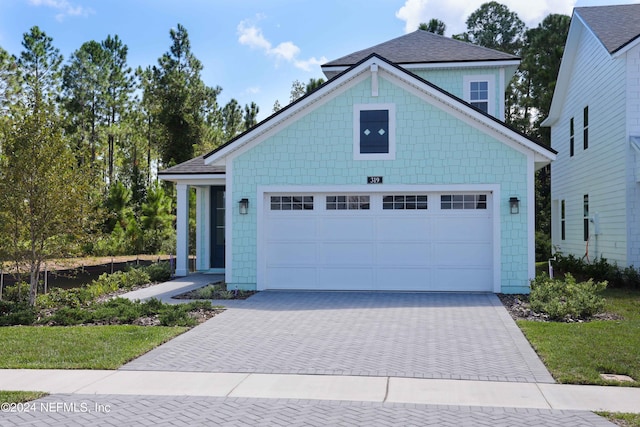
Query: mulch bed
[(519, 309)]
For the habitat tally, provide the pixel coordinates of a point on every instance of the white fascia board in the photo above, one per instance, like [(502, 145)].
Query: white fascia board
[(564, 73), (195, 179), (437, 65), (479, 64)]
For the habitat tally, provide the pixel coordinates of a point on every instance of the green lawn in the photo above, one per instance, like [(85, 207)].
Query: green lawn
[(78, 347), (577, 353), (623, 419), (19, 396)]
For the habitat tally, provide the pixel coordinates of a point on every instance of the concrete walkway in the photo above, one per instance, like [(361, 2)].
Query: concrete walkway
[(325, 387), (170, 397)]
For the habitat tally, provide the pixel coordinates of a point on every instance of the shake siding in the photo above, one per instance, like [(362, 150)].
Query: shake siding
[(597, 81), (433, 147)]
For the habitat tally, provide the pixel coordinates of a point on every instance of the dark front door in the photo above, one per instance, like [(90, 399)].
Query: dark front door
[(217, 227)]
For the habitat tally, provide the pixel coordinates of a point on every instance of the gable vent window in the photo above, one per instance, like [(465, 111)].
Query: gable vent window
[(374, 131), (586, 127), (374, 128), (571, 137)]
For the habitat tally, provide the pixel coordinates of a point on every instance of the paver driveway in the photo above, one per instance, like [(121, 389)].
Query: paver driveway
[(421, 335)]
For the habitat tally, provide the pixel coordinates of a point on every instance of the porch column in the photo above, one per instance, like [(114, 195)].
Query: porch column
[(182, 230), (203, 228)]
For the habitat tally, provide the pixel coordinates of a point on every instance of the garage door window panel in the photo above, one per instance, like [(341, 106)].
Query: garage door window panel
[(347, 203), (463, 201), (404, 202), (291, 203)]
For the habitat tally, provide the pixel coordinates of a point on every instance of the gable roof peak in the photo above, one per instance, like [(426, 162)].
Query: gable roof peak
[(423, 47), (615, 26)]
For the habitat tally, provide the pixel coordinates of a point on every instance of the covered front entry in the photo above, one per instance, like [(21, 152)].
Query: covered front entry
[(402, 241)]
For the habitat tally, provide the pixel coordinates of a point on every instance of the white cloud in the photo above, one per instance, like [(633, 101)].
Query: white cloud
[(65, 8), (309, 63), (454, 13), (251, 35), (253, 90)]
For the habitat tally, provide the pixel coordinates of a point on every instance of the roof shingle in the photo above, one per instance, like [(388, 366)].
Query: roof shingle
[(424, 47), (615, 26), (194, 166)]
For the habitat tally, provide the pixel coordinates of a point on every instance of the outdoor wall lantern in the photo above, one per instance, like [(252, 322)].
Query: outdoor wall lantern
[(514, 205), (244, 206)]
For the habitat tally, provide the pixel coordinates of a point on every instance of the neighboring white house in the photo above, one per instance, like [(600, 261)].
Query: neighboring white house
[(595, 128), (396, 174)]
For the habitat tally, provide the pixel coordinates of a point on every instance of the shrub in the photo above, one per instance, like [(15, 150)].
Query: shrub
[(543, 246), (599, 270), (17, 293), (159, 272), (68, 316), (132, 278), (16, 313), (71, 298), (566, 298)]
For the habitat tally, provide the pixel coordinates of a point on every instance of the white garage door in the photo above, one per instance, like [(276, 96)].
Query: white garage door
[(409, 241)]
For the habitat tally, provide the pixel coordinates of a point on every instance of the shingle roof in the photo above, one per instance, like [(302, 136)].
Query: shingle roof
[(424, 47), (615, 26), (194, 166)]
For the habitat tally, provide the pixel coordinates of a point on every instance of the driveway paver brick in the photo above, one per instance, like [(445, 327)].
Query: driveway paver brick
[(111, 410), (419, 335)]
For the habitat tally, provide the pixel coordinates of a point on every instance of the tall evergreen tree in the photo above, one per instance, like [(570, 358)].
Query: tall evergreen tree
[(9, 81), (434, 25), (84, 83), (494, 26), (251, 115), (119, 89), (39, 65), (181, 96), (232, 119)]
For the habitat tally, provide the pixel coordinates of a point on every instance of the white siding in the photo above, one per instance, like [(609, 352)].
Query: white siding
[(633, 157), (597, 81)]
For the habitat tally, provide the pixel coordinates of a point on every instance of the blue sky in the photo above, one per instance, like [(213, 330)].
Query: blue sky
[(253, 49)]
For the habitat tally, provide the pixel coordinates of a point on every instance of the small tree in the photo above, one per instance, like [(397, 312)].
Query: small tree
[(43, 194)]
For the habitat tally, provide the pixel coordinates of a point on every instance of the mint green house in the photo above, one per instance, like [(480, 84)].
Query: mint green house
[(396, 174)]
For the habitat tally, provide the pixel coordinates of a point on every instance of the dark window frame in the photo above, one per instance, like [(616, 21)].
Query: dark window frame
[(563, 220), (585, 213), (571, 137), (585, 132)]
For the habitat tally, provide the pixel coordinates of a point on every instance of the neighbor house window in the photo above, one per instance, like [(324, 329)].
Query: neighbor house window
[(585, 204), (585, 114), (347, 203), (463, 201), (291, 203), (571, 137), (374, 132), (563, 226), (478, 91)]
